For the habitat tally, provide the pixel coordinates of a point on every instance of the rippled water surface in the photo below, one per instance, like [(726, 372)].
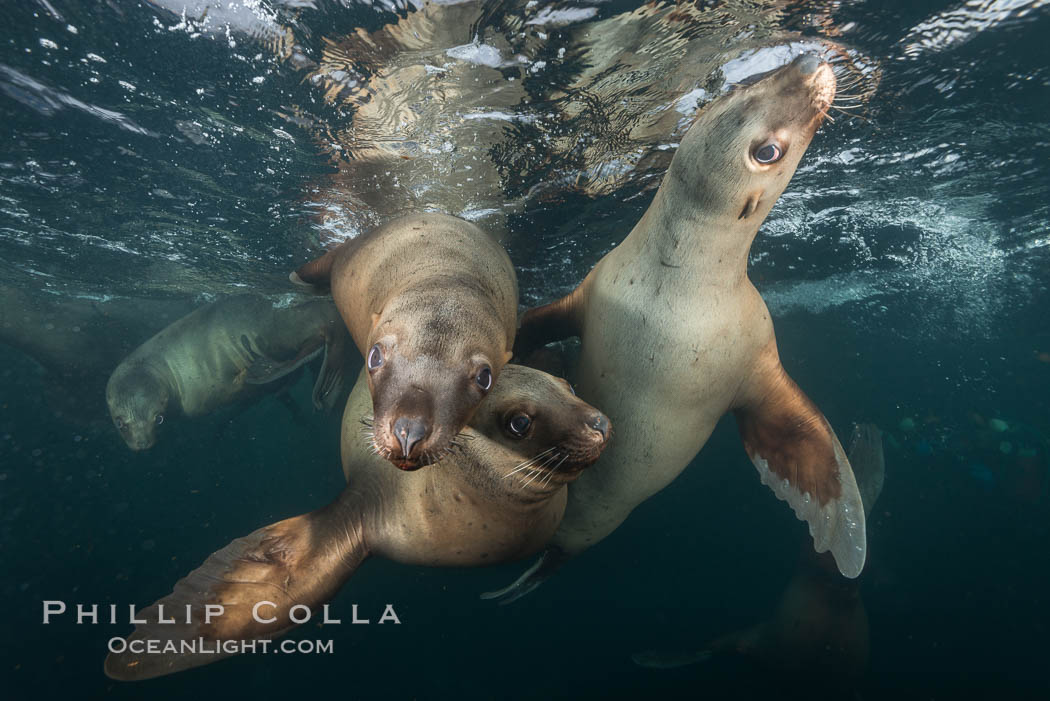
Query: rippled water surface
[(158, 155)]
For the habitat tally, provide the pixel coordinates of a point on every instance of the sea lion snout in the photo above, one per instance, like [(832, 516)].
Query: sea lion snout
[(600, 423), (595, 438), (409, 433)]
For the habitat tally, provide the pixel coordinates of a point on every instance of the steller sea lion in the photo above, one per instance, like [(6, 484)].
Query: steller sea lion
[(498, 497), (674, 335), (820, 626), (78, 340), (431, 302), (221, 353)]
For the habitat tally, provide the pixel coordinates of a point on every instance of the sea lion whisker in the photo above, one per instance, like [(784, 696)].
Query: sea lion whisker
[(528, 463), (551, 459), (554, 469), (535, 474), (525, 482)]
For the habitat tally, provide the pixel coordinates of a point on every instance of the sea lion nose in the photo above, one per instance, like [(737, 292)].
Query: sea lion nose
[(601, 424), (808, 63), (409, 432)]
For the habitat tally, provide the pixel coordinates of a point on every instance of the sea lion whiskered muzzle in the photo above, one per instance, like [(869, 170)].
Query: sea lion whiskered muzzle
[(409, 433)]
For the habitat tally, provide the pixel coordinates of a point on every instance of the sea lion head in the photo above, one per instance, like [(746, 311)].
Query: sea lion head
[(137, 400), (743, 148), (430, 363), (540, 435)]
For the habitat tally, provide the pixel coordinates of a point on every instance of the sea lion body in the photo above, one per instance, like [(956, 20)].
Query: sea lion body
[(218, 354), (78, 342), (498, 497), (674, 335), (431, 302)]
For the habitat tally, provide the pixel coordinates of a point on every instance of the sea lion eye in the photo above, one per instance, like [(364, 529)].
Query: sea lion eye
[(484, 378), (519, 425), (159, 418), (769, 152), (120, 424), (375, 357)]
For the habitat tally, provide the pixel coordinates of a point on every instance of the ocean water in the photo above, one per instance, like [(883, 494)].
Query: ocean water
[(160, 155)]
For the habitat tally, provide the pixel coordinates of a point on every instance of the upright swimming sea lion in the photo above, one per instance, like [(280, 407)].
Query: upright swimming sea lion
[(221, 353), (431, 302), (674, 335), (498, 497), (820, 626)]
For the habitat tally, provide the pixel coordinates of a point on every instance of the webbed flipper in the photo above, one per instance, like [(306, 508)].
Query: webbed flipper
[(798, 456), (331, 378), (302, 560), (317, 273), (549, 323), (265, 369), (819, 624)]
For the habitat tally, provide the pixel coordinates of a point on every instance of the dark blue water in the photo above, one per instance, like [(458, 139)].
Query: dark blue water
[(153, 161)]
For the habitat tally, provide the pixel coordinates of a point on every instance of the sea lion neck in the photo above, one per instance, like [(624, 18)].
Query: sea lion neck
[(677, 233)]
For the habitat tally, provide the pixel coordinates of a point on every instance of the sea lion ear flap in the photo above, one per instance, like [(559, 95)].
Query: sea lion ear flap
[(302, 560), (801, 460)]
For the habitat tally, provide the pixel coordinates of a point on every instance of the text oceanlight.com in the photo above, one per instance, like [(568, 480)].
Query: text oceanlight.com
[(200, 646)]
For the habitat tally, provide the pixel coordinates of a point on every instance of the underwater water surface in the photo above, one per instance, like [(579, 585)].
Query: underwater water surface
[(160, 155)]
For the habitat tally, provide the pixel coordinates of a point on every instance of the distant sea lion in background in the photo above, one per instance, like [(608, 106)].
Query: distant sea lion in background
[(497, 498), (78, 341), (820, 627), (674, 334), (431, 302), (221, 353)]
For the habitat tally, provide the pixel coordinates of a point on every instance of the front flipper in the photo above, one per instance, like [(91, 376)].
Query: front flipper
[(302, 560), (265, 369), (800, 459), (543, 569), (331, 378)]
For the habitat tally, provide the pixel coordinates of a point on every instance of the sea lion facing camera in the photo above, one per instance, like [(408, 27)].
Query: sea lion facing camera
[(431, 302), (498, 497), (674, 335), (221, 353)]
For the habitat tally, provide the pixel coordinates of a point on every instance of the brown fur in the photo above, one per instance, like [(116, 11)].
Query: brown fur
[(674, 335), (490, 502), (439, 297)]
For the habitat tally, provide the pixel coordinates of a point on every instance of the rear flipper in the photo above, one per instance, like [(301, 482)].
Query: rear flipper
[(820, 626), (549, 323), (302, 560), (550, 562), (317, 273), (801, 460)]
